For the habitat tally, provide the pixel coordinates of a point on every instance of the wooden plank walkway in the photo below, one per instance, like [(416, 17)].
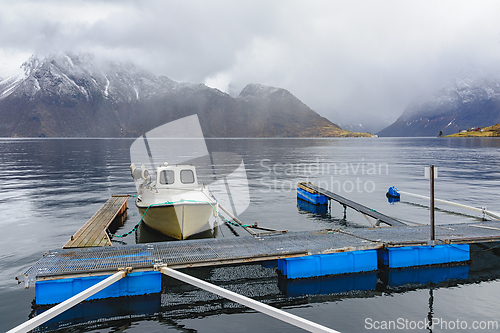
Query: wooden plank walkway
[(354, 205), (93, 233)]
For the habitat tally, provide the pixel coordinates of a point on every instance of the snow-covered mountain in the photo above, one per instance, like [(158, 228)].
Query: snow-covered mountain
[(470, 100), (79, 75), (76, 95), (73, 95)]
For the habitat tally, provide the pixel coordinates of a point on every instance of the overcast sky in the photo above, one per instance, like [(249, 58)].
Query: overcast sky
[(339, 57)]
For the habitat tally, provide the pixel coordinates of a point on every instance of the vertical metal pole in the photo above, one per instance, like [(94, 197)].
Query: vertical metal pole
[(433, 235)]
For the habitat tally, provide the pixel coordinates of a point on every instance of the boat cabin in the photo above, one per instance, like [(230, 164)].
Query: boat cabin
[(176, 176)]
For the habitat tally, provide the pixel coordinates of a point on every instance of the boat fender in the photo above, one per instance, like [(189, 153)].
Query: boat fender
[(216, 210), (393, 192), (135, 173), (144, 172)]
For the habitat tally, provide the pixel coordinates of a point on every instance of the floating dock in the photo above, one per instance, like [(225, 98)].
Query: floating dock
[(73, 269), (88, 267), (93, 233)]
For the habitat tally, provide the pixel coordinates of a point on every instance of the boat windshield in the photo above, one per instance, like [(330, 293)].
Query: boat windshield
[(187, 176), (167, 177)]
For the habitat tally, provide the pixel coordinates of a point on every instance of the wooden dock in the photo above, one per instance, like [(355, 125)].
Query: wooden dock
[(93, 233)]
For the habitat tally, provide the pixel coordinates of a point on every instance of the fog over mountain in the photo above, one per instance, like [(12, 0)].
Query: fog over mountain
[(472, 99), (77, 95)]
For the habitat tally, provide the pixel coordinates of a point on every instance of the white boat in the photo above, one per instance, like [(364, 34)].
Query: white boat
[(174, 203)]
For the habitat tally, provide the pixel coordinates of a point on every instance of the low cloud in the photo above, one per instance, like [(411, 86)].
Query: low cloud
[(358, 58)]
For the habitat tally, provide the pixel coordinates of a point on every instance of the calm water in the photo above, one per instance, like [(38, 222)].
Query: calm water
[(49, 188)]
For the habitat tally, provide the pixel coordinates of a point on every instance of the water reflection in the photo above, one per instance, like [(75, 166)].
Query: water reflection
[(430, 316), (50, 188)]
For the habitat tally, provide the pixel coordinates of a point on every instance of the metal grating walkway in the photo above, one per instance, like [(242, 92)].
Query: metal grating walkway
[(192, 253), (464, 233), (215, 251)]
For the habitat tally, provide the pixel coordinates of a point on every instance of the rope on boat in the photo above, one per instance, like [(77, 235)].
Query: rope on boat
[(111, 236), (231, 222)]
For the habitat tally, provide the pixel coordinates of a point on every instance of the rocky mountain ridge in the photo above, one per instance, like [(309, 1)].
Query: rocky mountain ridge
[(76, 95)]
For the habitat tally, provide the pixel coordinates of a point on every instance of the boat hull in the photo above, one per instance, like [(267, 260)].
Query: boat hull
[(179, 221)]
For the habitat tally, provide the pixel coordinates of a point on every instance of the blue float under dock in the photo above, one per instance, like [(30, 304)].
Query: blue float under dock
[(411, 256), (59, 290), (329, 264), (311, 196)]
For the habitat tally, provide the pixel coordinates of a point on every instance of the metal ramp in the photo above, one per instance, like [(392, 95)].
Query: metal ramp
[(354, 205)]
